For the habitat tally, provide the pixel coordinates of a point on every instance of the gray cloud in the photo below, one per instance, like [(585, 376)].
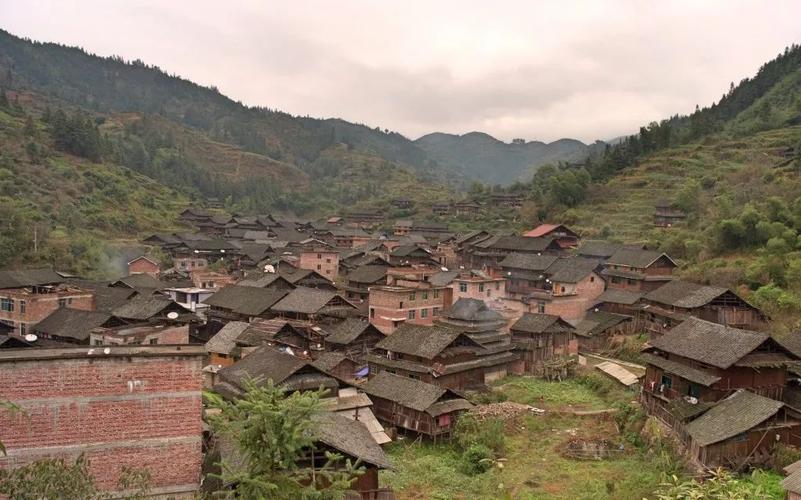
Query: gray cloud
[(537, 70)]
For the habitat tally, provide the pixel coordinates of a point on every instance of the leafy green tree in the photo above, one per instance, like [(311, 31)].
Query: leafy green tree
[(273, 434)]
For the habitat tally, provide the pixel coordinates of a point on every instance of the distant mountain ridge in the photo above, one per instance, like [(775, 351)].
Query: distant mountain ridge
[(111, 85), (483, 157)]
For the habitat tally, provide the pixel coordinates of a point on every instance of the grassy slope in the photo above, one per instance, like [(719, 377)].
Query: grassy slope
[(75, 204)]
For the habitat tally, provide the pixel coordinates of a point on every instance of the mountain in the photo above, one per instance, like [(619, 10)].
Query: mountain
[(482, 157), (111, 85), (734, 168)]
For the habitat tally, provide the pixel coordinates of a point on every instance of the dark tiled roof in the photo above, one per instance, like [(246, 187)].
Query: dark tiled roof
[(698, 376), (619, 296), (685, 294), (71, 323), (596, 323), (571, 269), (347, 331), (443, 278), (598, 248), (306, 300), (141, 281), (263, 280), (368, 274), (472, 310), (634, 257), (21, 279), (327, 361), (246, 300), (407, 250), (710, 343), (267, 363), (419, 340), (529, 262), (224, 340), (518, 243), (740, 412), (351, 438), (540, 323), (144, 307), (405, 391)]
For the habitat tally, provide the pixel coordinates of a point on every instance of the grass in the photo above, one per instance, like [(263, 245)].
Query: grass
[(534, 467), (571, 394)]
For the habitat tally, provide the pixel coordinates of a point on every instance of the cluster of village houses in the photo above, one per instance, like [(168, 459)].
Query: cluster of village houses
[(395, 324)]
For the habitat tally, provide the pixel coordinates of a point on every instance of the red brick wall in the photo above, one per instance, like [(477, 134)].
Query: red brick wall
[(40, 306), (387, 304), (118, 410), (143, 266), (325, 263)]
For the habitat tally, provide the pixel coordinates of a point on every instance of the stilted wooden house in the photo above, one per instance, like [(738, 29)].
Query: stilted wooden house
[(545, 343)]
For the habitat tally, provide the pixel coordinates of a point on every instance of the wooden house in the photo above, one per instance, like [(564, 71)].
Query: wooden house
[(441, 208), (222, 347), (240, 303), (337, 364), (703, 362), (413, 405), (667, 214), (742, 429), (600, 330), (311, 304), (545, 343), (407, 255), (638, 270), (675, 301), (353, 337), (71, 326), (491, 251), (259, 279), (507, 200), (308, 278), (357, 284), (266, 363), (440, 355)]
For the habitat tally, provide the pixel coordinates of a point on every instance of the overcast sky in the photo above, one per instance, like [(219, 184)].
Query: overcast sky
[(537, 70)]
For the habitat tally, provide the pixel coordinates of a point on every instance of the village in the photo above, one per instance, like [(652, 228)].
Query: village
[(407, 331)]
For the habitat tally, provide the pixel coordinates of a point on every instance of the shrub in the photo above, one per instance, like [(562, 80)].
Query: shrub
[(476, 459), (470, 431)]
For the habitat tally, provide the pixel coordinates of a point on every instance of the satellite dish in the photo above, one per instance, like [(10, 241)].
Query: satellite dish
[(31, 337), (222, 250), (269, 268), (172, 315), (444, 269)]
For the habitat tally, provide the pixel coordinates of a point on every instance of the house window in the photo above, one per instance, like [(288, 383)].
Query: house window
[(154, 341), (592, 279), (630, 281), (412, 314), (424, 313), (480, 287), (740, 437), (319, 267), (541, 307), (327, 261), (615, 279), (425, 295), (667, 381), (23, 328), (22, 307), (319, 256), (436, 294), (497, 285), (7, 305), (463, 287), (401, 305), (693, 391), (412, 296), (489, 293), (414, 376), (562, 289), (62, 302), (372, 312), (435, 311)]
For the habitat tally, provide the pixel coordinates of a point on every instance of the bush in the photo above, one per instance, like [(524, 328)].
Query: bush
[(470, 431), (597, 383), (476, 460)]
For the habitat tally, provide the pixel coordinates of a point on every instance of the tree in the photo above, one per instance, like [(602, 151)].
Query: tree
[(273, 434)]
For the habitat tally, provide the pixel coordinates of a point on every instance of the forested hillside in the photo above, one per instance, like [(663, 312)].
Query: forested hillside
[(734, 168)]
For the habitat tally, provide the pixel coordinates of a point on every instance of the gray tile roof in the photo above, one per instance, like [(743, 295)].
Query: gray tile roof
[(144, 307), (20, 279), (247, 300), (443, 278), (596, 323), (405, 391), (740, 412), (518, 243), (71, 323), (709, 343), (540, 323), (327, 361), (472, 310), (350, 437), (637, 258), (263, 280), (685, 294), (424, 341), (139, 281), (571, 269), (224, 341), (347, 331), (529, 262), (306, 300), (698, 376), (598, 248), (368, 274)]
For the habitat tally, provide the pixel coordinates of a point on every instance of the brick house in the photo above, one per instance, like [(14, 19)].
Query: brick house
[(440, 355), (547, 284), (323, 260), (143, 265), (393, 305), (28, 297), (402, 227), (638, 270), (132, 406), (353, 337), (358, 282), (477, 285)]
